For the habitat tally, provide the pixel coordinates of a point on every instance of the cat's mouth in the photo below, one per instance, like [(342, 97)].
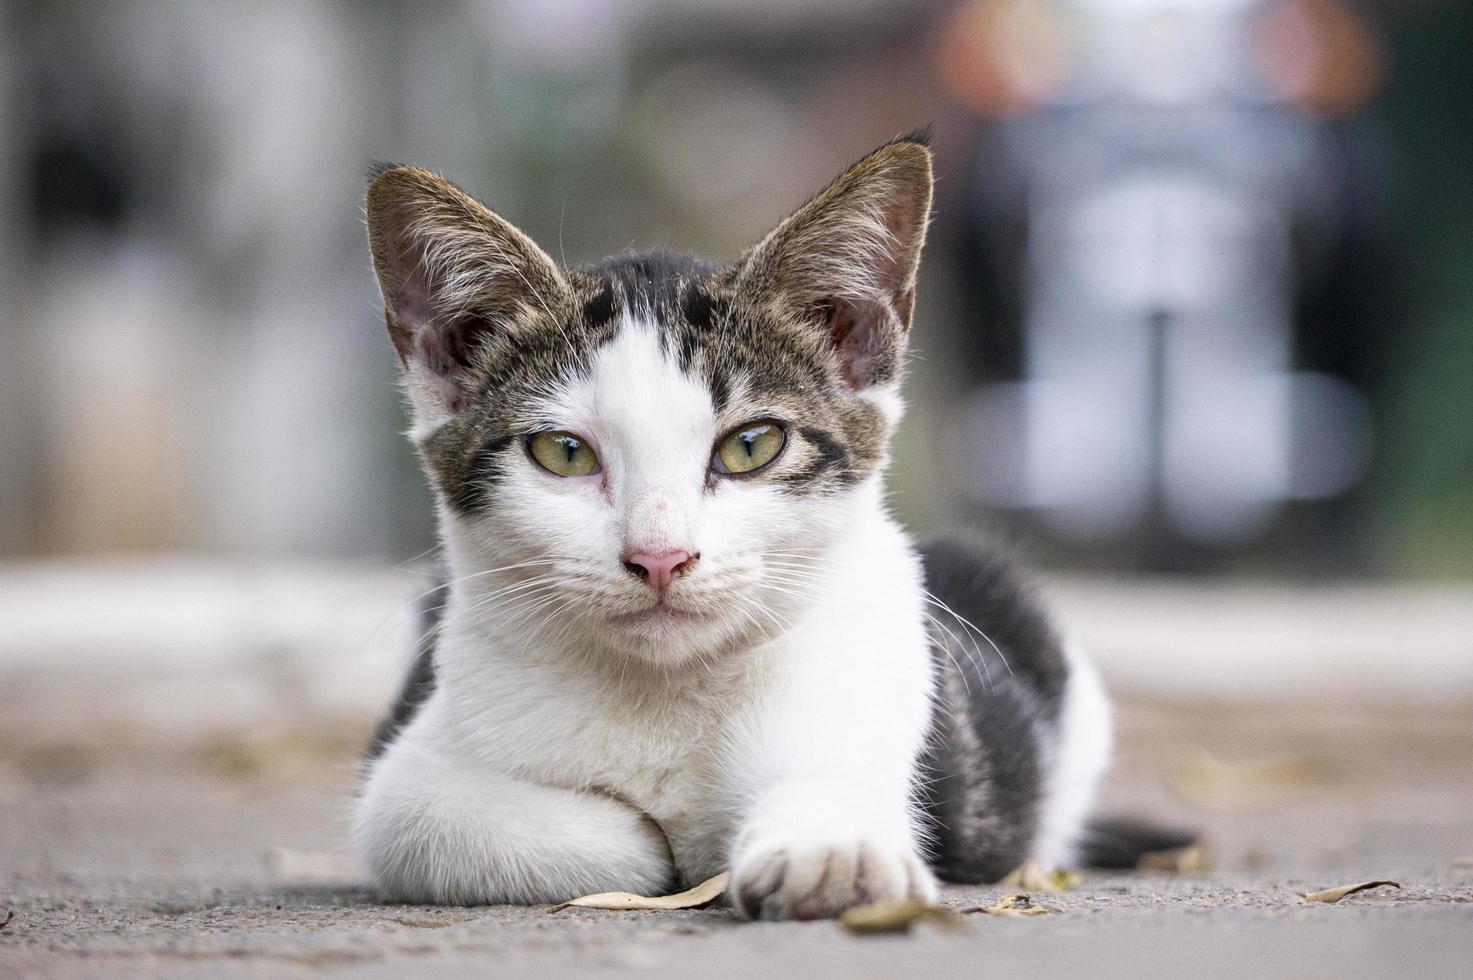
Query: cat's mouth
[(658, 613)]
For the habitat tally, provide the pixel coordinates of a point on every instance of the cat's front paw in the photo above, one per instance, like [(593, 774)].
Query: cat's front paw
[(819, 882)]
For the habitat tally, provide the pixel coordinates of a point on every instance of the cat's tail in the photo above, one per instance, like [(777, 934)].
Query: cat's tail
[(1120, 842)]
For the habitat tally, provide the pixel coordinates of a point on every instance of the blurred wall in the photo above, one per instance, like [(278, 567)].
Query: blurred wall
[(193, 356)]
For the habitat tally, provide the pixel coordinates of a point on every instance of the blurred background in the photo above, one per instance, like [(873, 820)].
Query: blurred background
[(1195, 331), (1198, 297), (1196, 313)]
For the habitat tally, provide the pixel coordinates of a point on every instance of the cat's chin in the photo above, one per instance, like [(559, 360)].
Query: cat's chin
[(666, 634), (658, 617), (661, 631)]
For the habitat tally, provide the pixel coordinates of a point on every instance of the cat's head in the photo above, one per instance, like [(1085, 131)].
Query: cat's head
[(651, 452)]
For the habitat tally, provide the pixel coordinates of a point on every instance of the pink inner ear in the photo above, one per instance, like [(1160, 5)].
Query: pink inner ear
[(448, 350), (408, 309), (853, 330), (444, 348)]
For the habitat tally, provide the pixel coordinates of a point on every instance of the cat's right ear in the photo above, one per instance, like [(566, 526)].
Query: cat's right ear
[(454, 276)]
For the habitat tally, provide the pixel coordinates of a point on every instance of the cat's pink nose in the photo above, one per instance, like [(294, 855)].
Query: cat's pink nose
[(662, 569)]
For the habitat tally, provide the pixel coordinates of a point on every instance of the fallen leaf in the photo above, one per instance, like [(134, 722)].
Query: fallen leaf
[(897, 916), (1195, 859), (1060, 880), (703, 894), (1220, 787), (1031, 877), (1333, 895), (1020, 904)]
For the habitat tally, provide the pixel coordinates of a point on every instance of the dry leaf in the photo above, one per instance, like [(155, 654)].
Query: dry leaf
[(1031, 877), (1333, 895), (1211, 784), (703, 894), (1020, 904), (897, 916), (1194, 859)]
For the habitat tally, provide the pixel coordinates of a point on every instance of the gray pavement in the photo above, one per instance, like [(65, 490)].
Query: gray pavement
[(223, 857)]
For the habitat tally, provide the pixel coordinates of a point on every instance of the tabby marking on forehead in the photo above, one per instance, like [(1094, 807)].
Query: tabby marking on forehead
[(734, 348)]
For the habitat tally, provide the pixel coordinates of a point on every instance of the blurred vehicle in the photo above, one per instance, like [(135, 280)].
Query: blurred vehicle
[(1157, 185)]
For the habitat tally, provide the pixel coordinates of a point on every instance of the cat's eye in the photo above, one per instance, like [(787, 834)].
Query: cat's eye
[(563, 454), (748, 448)]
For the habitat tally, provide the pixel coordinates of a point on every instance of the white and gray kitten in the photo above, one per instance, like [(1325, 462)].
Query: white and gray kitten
[(682, 634)]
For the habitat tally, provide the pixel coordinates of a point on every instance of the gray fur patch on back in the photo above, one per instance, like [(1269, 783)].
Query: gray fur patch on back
[(997, 713)]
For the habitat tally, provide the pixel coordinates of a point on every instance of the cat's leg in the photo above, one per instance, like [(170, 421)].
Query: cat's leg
[(824, 762), (433, 828)]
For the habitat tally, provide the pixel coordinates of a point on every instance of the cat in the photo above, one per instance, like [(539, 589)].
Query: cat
[(681, 632)]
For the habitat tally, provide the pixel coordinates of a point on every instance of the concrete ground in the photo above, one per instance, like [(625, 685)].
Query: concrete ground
[(225, 860), (177, 744)]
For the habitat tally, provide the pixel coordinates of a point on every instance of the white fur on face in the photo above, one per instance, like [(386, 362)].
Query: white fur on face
[(654, 428)]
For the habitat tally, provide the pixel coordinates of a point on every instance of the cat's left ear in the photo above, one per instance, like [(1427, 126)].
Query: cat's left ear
[(846, 261)]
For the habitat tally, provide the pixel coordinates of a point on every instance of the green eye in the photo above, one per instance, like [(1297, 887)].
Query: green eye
[(563, 454), (749, 448)]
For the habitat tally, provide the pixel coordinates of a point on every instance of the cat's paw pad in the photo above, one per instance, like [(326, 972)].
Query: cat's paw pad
[(810, 882)]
